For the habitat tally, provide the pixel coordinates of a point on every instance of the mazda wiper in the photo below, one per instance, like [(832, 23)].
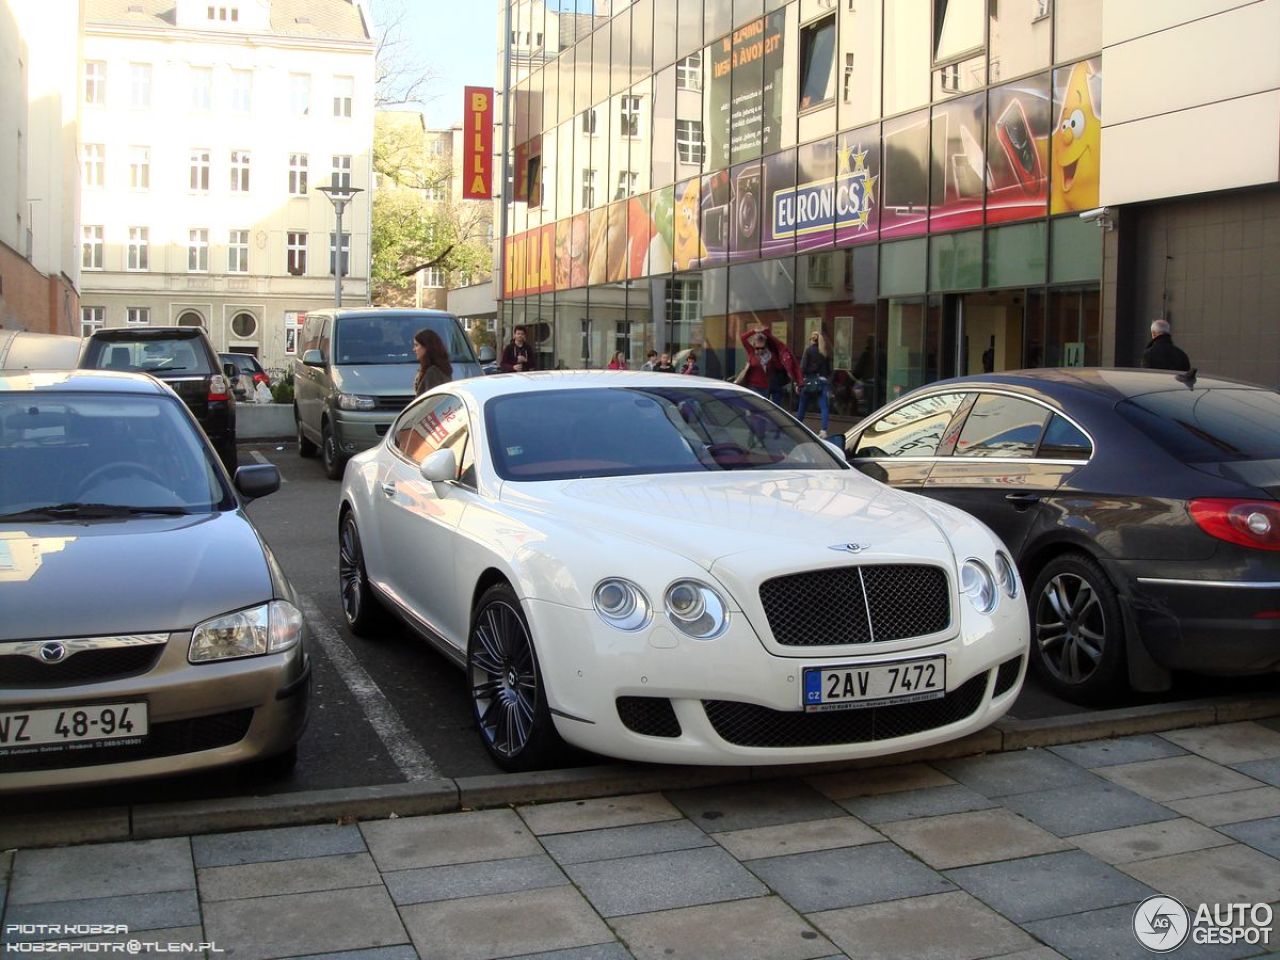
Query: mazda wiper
[(91, 511)]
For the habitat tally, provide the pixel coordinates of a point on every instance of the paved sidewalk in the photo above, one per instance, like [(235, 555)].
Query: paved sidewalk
[(1032, 854)]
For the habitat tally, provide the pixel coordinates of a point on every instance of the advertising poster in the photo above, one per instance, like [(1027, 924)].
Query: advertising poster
[(1076, 156), (597, 237), (857, 185), (571, 252), (616, 243), (662, 217), (546, 258), (811, 210), (293, 323), (779, 178), (714, 202), (904, 177), (1018, 150), (686, 245), (477, 143), (533, 261), (746, 223), (562, 254), (647, 252), (959, 163)]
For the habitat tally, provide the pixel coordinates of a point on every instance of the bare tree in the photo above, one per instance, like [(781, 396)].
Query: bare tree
[(402, 74)]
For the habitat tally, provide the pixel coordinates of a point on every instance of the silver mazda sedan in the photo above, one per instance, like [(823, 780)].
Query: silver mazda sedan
[(146, 629)]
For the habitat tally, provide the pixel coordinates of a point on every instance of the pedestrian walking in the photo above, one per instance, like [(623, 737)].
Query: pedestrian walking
[(434, 367), (518, 355), (815, 368), (1161, 353)]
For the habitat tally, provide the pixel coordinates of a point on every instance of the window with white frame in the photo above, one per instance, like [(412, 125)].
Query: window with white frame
[(200, 170), (341, 177), (588, 188), (817, 57), (344, 91), (95, 165), (201, 88), (238, 251), (91, 247), (140, 85), (689, 145), (241, 91), (297, 174), (589, 122), (820, 270), (433, 191), (223, 12), (239, 171), (92, 320), (296, 252), (139, 244), (198, 250), (629, 114), (433, 278), (137, 316), (689, 72), (626, 185), (437, 147), (622, 337), (300, 94), (346, 253), (95, 82), (139, 168)]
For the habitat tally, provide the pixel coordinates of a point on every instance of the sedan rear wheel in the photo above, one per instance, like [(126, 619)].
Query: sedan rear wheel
[(363, 611), (508, 699), (1079, 633)]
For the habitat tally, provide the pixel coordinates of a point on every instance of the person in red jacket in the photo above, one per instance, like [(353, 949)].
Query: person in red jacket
[(770, 365)]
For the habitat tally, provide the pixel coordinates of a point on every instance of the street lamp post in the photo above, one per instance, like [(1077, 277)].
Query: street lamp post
[(339, 197)]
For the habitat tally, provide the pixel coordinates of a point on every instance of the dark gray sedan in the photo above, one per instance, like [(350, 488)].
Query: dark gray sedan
[(146, 627)]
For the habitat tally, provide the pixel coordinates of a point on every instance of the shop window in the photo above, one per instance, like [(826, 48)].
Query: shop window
[(957, 28), (817, 62)]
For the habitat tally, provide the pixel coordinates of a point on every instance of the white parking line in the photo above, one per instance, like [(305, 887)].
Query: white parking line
[(407, 753), (257, 455)]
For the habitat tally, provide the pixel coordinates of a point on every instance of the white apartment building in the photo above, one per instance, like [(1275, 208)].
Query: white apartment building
[(207, 129)]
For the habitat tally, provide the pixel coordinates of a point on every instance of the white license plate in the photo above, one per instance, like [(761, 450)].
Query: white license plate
[(100, 721), (874, 684)]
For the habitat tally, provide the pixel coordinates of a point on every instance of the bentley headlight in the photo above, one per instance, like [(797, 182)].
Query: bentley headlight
[(696, 610), (270, 628), (352, 401), (1005, 575), (621, 604), (977, 583)]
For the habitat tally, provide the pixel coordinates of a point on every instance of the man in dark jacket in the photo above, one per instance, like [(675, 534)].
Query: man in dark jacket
[(518, 355), (1161, 354)]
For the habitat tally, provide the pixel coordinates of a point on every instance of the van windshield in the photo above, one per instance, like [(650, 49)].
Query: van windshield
[(389, 339)]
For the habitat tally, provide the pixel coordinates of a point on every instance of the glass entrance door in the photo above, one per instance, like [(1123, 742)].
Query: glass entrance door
[(991, 332)]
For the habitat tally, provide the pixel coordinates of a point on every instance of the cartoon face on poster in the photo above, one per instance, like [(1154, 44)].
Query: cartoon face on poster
[(857, 185), (1018, 150), (686, 249), (1076, 156)]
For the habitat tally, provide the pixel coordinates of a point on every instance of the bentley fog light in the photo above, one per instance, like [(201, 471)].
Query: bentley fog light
[(270, 628), (621, 604), (977, 583), (1005, 574), (696, 610)]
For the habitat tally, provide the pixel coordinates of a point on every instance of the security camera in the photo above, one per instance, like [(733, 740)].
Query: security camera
[(1098, 213)]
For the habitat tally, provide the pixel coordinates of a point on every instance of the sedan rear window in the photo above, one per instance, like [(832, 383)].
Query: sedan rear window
[(1217, 425)]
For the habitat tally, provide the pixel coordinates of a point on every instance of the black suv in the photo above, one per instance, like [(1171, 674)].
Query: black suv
[(184, 359)]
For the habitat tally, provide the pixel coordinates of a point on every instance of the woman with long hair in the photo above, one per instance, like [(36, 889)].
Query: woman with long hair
[(619, 361), (815, 366), (434, 367)]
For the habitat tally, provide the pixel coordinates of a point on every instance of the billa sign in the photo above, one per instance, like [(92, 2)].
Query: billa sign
[(477, 142)]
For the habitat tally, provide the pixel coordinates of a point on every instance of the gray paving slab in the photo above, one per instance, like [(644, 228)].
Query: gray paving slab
[(473, 879), (749, 805), (1002, 774), (1050, 885), (299, 924), (1109, 933), (401, 952), (275, 877), (505, 925), (597, 951), (139, 912), (963, 839), (787, 838), (910, 804), (1088, 808), (281, 843), (1229, 742), (1117, 750), (944, 926), (848, 877), (1149, 840), (102, 870), (765, 927), (662, 881), (1262, 835), (1177, 778), (573, 815), (1230, 874), (445, 838), (1268, 771), (1233, 807), (609, 844), (876, 780)]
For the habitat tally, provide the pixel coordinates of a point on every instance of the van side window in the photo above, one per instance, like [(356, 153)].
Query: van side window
[(310, 335), (323, 343)]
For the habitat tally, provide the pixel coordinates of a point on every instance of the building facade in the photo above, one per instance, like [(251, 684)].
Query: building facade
[(937, 185), (207, 130)]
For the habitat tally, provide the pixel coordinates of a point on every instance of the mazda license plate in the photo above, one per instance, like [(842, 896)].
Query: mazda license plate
[(99, 721)]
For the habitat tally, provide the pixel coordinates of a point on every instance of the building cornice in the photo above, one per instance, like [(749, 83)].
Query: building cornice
[(120, 31)]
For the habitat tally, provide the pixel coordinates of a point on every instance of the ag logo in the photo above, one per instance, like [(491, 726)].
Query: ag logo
[(1161, 924)]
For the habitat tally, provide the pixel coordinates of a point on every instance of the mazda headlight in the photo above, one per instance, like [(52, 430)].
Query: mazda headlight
[(352, 401), (977, 583), (1005, 575), (270, 628), (696, 610), (621, 604)]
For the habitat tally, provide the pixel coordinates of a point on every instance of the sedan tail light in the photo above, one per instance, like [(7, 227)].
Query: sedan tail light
[(1248, 523), (218, 388)]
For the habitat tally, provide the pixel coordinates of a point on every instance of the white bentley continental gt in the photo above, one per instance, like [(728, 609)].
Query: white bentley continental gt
[(672, 569)]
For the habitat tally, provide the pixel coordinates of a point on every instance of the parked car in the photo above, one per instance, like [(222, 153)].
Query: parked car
[(184, 359), (147, 629), (248, 373), (354, 374), (1141, 506), (24, 350), (672, 569)]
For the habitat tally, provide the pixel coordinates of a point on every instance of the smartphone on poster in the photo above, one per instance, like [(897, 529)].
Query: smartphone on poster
[(1014, 133)]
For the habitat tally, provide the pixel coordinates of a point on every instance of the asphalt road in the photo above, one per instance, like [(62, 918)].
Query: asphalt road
[(391, 709)]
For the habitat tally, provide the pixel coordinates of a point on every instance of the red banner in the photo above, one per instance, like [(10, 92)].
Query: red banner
[(477, 138)]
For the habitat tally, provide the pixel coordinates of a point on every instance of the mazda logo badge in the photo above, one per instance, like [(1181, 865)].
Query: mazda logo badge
[(850, 547), (53, 652)]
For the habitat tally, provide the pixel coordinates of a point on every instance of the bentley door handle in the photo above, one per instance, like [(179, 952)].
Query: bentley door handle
[(1022, 500)]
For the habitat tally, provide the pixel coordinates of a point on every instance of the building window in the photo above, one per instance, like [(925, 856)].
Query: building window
[(817, 57), (689, 146), (139, 243), (244, 325), (957, 28), (589, 122), (140, 85), (137, 316), (433, 191), (846, 87), (346, 253), (92, 320), (622, 337), (238, 251), (241, 91), (190, 318), (341, 178), (297, 174), (433, 278), (95, 82), (820, 270), (689, 72), (140, 168), (91, 247), (437, 148), (344, 91), (239, 171), (630, 116), (626, 185), (223, 13), (300, 94), (588, 188), (296, 253), (201, 88), (684, 300), (198, 251), (200, 170), (94, 164)]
